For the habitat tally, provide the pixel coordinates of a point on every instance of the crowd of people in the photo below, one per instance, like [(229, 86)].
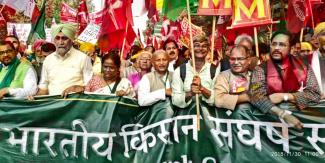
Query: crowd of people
[(286, 71)]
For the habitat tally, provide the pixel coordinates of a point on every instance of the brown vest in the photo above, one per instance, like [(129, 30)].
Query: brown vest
[(156, 82)]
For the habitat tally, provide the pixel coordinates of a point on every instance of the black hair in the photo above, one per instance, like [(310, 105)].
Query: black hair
[(2, 43), (114, 56), (48, 47), (283, 32), (169, 40)]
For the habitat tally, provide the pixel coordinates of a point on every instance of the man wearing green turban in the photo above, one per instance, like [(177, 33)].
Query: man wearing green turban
[(65, 67)]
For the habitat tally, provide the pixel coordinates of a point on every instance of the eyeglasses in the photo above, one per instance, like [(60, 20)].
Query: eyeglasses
[(109, 68), (239, 59), (63, 38), (204, 46), (6, 52), (280, 44)]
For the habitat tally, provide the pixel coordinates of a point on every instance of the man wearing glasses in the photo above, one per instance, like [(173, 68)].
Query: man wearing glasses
[(232, 85), (200, 81), (65, 67), (318, 58), (283, 79), (17, 78)]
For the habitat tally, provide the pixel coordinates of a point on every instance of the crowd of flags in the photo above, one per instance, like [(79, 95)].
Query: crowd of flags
[(116, 20)]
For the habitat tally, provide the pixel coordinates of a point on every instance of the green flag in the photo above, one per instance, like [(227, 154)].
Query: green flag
[(172, 9), (38, 31)]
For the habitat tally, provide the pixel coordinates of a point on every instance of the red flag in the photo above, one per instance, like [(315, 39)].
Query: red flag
[(82, 16), (152, 10), (116, 16), (7, 12), (318, 12), (68, 14), (115, 40), (296, 15), (35, 15), (155, 43), (170, 29)]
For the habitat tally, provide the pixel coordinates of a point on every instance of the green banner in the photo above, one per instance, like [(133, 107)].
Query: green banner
[(95, 128)]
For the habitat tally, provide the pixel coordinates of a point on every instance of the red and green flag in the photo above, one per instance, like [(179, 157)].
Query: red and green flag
[(38, 30)]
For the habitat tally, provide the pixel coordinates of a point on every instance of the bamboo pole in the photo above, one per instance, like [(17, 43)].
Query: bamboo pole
[(256, 42), (301, 34), (212, 39), (194, 67), (124, 40)]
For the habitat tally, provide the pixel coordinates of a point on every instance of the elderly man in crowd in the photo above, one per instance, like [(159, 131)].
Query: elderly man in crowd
[(244, 40), (188, 82), (318, 59), (283, 78), (232, 85), (17, 78), (144, 65), (156, 85), (67, 66)]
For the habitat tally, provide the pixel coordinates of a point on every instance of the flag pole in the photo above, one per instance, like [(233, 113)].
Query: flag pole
[(3, 5), (212, 40), (301, 34), (194, 67), (256, 42), (124, 40)]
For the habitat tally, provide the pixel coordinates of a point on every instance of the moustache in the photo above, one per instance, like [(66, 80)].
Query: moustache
[(276, 51), (172, 52)]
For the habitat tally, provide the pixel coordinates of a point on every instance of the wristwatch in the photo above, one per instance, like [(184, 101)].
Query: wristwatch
[(285, 97)]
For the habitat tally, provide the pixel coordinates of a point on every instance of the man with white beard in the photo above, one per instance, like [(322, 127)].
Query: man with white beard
[(65, 67)]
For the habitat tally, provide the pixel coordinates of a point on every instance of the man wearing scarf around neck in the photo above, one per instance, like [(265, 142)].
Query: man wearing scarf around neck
[(318, 58), (283, 79), (17, 78)]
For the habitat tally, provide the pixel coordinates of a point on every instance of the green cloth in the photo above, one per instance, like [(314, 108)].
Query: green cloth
[(67, 29), (77, 130), (10, 73), (172, 9)]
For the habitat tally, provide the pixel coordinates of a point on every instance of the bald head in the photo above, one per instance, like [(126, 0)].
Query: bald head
[(160, 61)]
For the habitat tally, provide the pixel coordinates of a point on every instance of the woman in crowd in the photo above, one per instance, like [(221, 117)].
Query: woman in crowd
[(108, 83)]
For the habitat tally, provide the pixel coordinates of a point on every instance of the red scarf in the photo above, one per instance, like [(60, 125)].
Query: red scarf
[(292, 78)]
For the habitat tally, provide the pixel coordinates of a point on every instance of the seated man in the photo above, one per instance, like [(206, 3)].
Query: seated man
[(155, 85), (188, 82), (231, 85), (318, 58), (67, 66), (283, 78), (17, 78)]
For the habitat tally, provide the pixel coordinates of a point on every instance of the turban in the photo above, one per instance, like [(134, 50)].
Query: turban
[(306, 46), (137, 55), (319, 28), (68, 30), (37, 45)]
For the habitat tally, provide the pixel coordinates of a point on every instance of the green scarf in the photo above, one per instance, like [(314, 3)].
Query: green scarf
[(10, 74)]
